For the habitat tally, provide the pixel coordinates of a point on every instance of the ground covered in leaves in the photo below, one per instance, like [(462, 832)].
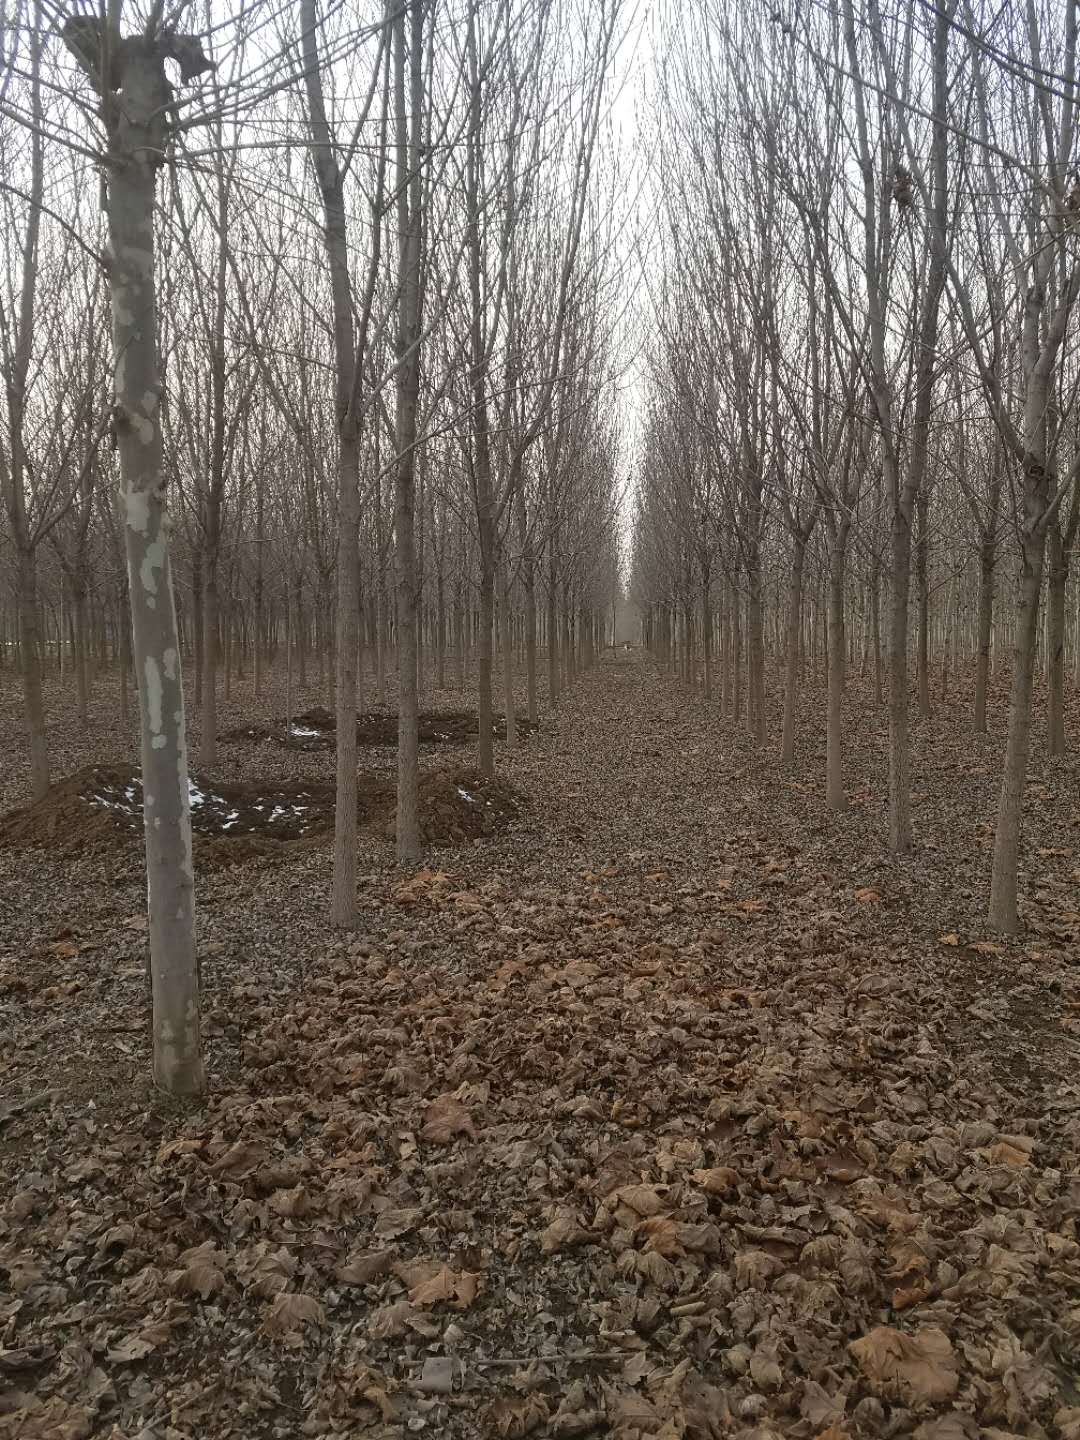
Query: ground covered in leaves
[(678, 1109)]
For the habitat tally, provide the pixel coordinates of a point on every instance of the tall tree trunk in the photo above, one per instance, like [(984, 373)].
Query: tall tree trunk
[(408, 395), (30, 659), (791, 658), (1057, 584), (987, 564), (834, 759), (137, 143), (1003, 882), (922, 550), (507, 639)]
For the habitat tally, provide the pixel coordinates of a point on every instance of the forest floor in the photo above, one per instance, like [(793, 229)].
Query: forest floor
[(677, 1107)]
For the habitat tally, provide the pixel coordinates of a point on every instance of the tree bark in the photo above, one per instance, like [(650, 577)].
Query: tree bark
[(137, 143)]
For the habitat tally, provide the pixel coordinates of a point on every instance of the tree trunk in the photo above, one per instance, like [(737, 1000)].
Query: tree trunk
[(1003, 883), (794, 620), (507, 639), (408, 394), (987, 563), (30, 658), (834, 760), (1057, 584), (137, 145)]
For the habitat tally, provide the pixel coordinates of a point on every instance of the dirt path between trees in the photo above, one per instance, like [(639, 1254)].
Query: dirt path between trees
[(679, 1108)]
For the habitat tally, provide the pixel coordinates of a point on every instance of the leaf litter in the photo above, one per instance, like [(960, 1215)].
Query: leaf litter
[(663, 1114)]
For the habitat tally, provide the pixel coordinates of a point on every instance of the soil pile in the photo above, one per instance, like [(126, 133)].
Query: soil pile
[(314, 729), (104, 803)]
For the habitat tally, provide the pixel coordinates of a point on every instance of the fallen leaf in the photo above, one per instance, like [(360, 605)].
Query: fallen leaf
[(290, 1310), (919, 1367)]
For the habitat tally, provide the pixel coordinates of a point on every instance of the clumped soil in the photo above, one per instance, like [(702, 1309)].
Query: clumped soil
[(313, 730), (237, 820), (683, 1111)]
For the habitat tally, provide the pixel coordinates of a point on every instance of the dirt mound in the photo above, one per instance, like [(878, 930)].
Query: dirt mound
[(235, 822), (314, 729)]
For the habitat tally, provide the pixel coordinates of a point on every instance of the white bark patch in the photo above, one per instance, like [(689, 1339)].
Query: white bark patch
[(170, 658), (139, 259), (159, 742), (153, 699), (143, 428), (152, 561), (136, 510)]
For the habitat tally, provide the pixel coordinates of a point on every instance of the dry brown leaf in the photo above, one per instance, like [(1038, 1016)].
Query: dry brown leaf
[(446, 1117), (393, 1320), (919, 1367), (564, 1233), (662, 1236), (365, 1266), (1009, 1155), (240, 1160), (200, 1273), (392, 1223), (719, 1180), (642, 1199), (133, 1347), (290, 1310), (512, 1416), (819, 1407), (293, 1204), (458, 1288)]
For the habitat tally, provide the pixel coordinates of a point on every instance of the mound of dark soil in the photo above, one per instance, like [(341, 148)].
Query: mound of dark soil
[(314, 729), (233, 822)]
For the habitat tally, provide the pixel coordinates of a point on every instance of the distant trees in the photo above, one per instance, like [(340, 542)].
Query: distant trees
[(379, 433), (866, 330)]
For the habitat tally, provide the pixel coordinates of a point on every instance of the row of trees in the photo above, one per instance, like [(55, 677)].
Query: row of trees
[(865, 358), (359, 266)]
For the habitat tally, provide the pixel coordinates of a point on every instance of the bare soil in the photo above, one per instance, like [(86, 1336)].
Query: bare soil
[(313, 730), (103, 803)]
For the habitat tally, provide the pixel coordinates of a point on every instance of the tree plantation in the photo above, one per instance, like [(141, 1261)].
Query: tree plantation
[(539, 691)]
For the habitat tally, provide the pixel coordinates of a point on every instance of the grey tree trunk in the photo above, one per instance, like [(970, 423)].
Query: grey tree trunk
[(137, 144), (834, 737), (791, 658), (987, 565), (1057, 584), (507, 646), (409, 211)]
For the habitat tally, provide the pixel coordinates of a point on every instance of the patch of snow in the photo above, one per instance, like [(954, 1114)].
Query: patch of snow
[(466, 796), (304, 732)]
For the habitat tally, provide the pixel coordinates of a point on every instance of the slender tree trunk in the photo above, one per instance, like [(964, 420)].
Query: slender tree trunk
[(30, 658), (791, 679), (834, 759), (1003, 884), (408, 395), (506, 636), (137, 144), (1057, 584), (923, 584), (987, 563)]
